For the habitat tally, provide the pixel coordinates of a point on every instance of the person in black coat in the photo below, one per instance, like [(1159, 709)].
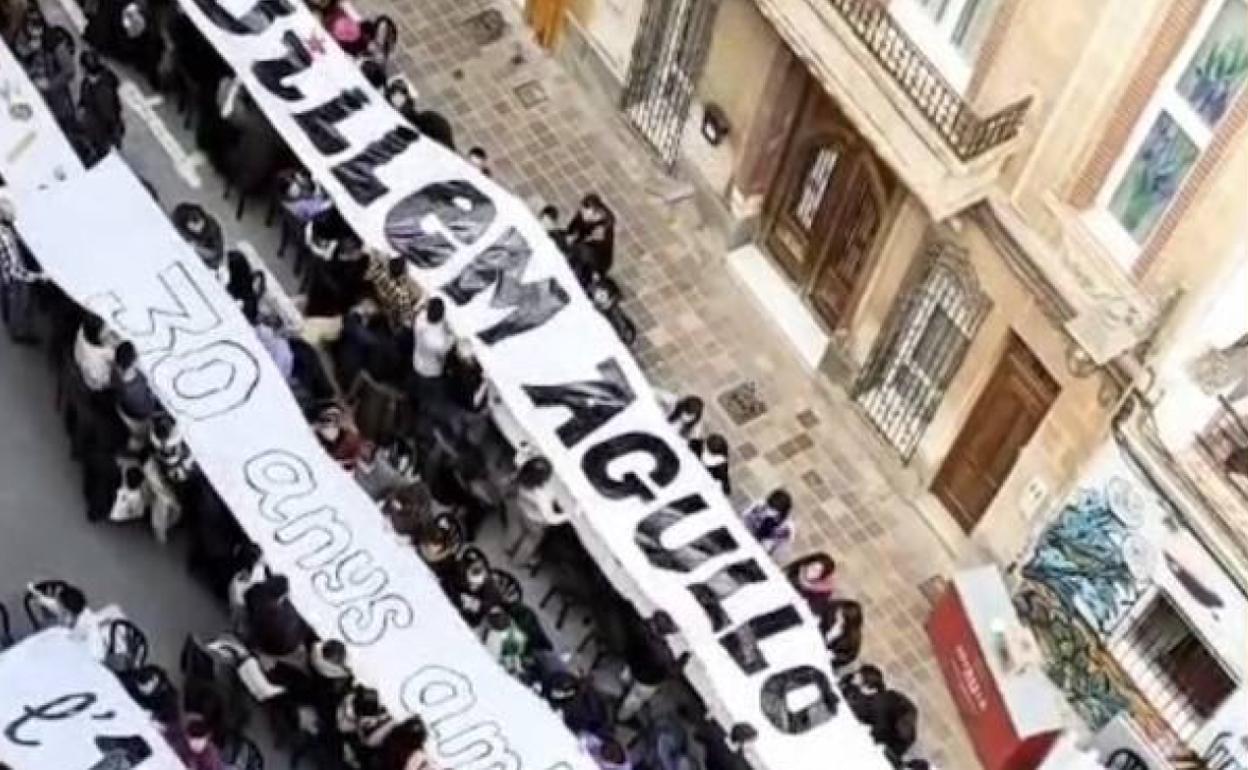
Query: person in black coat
[(127, 31), (895, 724), (99, 107), (591, 239), (864, 692), (429, 123)]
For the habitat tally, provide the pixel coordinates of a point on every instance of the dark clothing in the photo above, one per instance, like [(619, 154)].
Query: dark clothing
[(50, 67), (100, 479), (592, 244), (106, 32), (276, 627), (215, 536), (99, 113), (252, 160), (134, 396), (473, 604), (819, 596), (586, 712), (245, 286), (863, 704), (335, 286), (719, 755), (894, 723), (368, 345), (209, 243), (434, 125)]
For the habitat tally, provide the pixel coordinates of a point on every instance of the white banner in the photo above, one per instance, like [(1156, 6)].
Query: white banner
[(654, 519), (350, 577), (61, 710), (33, 151)]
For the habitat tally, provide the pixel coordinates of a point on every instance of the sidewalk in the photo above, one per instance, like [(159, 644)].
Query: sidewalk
[(700, 332)]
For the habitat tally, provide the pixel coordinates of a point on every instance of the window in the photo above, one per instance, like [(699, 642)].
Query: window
[(815, 186), (1175, 128), (917, 355), (949, 31), (1173, 668)]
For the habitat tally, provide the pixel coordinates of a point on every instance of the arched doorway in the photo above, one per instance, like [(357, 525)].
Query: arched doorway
[(826, 207)]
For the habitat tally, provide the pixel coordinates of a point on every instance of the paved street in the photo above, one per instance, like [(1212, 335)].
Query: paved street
[(701, 333)]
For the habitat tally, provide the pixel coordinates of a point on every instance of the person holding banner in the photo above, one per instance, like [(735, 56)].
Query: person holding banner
[(769, 521), (16, 280), (432, 343)]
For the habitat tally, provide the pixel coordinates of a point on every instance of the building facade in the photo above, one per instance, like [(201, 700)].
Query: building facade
[(1137, 586), (985, 218)]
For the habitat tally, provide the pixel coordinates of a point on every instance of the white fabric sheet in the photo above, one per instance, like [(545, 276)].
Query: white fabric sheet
[(511, 292), (61, 710), (350, 576)]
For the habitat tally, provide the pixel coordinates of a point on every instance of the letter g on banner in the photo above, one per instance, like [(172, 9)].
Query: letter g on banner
[(437, 220)]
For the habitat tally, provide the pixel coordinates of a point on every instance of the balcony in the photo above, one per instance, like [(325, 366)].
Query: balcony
[(948, 155), (1219, 462), (968, 135)]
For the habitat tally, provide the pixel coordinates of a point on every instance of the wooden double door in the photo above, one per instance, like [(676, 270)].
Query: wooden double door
[(826, 206), (1005, 417)]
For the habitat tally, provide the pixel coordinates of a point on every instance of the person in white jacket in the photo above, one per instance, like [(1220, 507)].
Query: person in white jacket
[(534, 507)]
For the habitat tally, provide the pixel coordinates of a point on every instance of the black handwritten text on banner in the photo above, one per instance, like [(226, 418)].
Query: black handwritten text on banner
[(652, 517)]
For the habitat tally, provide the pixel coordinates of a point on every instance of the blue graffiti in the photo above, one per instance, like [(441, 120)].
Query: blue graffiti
[(1082, 557)]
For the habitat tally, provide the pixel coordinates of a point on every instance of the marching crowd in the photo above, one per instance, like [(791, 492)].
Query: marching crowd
[(400, 403)]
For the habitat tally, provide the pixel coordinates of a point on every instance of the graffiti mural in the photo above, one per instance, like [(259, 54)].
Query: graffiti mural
[(1087, 570), (1091, 556), (1094, 684)]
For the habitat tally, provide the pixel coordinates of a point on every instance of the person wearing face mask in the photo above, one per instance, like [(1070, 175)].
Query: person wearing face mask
[(841, 624), (477, 593), (769, 521), (814, 577), (591, 238), (193, 745), (337, 438), (549, 217), (430, 123), (203, 233), (505, 641), (863, 690)]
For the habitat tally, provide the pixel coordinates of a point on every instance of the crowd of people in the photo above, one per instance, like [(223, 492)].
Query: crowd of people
[(402, 404)]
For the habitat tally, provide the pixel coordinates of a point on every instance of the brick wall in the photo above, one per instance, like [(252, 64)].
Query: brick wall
[(1169, 38), (1230, 130), (987, 54)]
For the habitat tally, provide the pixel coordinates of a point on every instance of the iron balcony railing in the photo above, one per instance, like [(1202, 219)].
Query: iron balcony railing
[(966, 133), (1224, 444)]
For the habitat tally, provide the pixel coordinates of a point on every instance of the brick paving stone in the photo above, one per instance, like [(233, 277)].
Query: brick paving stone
[(550, 141)]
